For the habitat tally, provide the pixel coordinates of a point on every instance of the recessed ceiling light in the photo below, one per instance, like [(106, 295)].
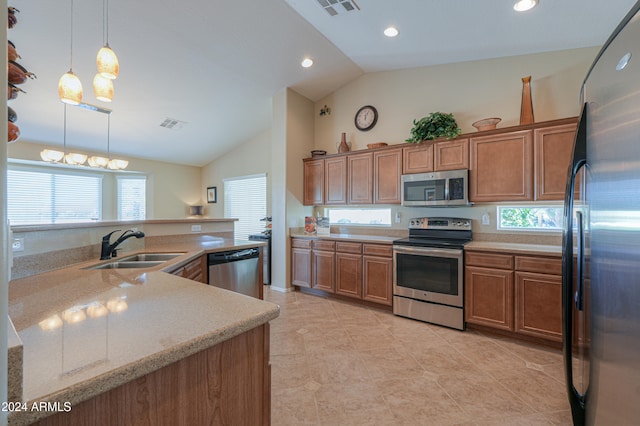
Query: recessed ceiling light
[(391, 32), (524, 5), (306, 62)]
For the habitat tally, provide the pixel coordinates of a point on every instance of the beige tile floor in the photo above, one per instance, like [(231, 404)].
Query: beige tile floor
[(337, 363)]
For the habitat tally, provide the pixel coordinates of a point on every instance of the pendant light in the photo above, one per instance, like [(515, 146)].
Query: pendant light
[(69, 86), (107, 61), (103, 88)]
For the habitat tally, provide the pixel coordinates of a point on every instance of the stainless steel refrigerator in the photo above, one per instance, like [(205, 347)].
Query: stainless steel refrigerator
[(601, 240)]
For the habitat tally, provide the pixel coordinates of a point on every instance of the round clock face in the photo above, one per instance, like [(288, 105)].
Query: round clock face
[(366, 118)]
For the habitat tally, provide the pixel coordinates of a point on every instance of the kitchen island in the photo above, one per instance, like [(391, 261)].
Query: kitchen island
[(123, 346)]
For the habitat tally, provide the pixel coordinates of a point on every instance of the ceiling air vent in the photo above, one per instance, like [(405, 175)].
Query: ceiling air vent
[(335, 7), (172, 123)]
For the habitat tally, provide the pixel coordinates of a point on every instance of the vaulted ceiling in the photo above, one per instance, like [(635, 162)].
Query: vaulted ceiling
[(214, 65)]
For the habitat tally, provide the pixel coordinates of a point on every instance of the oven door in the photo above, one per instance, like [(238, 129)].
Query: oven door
[(429, 274)]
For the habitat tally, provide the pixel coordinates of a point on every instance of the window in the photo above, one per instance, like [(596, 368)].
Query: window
[(380, 217), (132, 198), (530, 218), (47, 197), (245, 198)]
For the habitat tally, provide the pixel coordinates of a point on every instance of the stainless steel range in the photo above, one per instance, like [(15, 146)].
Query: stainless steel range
[(428, 271)]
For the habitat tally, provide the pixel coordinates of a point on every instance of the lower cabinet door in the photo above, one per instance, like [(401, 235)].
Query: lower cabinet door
[(489, 297), (301, 267), (377, 279), (539, 305), (323, 270), (349, 275)]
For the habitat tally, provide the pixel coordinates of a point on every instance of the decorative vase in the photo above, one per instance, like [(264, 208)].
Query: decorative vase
[(526, 109), (343, 147)]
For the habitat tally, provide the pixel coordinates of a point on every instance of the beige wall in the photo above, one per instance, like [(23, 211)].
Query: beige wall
[(469, 90), (250, 158), (172, 187)]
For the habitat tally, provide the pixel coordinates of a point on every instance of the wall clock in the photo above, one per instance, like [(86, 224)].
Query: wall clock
[(366, 118)]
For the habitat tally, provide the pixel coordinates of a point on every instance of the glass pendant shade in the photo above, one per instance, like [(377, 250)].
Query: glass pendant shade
[(96, 161), (103, 88), (107, 63), (75, 159), (116, 164), (70, 88), (51, 155)]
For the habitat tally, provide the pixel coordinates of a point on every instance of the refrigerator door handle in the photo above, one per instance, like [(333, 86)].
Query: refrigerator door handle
[(576, 400), (579, 296)]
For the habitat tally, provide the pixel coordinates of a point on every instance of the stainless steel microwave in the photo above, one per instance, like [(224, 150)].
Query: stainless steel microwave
[(439, 189)]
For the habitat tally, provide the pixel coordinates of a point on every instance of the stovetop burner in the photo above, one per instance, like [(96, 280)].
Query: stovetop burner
[(437, 232)]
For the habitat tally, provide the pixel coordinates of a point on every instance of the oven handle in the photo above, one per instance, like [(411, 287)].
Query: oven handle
[(428, 251)]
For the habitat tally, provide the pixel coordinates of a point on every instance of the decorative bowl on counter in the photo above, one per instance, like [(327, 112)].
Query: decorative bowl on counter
[(318, 153), (486, 124), (376, 145)]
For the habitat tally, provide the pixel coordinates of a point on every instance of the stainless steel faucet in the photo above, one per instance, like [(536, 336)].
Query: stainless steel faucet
[(108, 250)]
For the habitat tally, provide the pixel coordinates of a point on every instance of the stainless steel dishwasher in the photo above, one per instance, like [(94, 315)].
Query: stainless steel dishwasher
[(236, 270)]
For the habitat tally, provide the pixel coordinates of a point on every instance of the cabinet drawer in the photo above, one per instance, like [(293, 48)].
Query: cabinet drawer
[(543, 265), (343, 247), (488, 260), (300, 243), (377, 250), (324, 245)]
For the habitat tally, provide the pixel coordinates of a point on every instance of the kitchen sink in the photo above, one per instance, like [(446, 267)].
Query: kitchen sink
[(122, 264), (150, 257)]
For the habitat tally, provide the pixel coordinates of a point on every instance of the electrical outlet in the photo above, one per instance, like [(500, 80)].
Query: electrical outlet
[(485, 219), (18, 244), (196, 228), (397, 217), (134, 229)]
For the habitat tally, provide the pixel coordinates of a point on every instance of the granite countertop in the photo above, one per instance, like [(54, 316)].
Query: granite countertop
[(515, 248), (377, 239), (86, 331)]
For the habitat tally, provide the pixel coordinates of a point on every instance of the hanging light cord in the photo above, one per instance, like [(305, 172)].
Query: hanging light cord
[(64, 132), (109, 135), (105, 22), (71, 48)]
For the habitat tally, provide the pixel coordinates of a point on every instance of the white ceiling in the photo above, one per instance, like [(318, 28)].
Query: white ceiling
[(216, 64)]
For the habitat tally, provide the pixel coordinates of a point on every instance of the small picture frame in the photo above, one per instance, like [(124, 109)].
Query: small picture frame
[(212, 194)]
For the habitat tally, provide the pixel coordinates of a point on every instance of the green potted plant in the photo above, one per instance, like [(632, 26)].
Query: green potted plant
[(433, 126)]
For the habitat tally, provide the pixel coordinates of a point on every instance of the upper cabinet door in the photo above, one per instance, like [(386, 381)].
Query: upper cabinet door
[(502, 167), (417, 159), (387, 171), (451, 155), (360, 178), (553, 147), (313, 182), (335, 180)]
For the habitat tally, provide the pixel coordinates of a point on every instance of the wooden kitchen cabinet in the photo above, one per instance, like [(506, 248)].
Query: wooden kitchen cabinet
[(195, 270), (538, 297), (417, 159), (489, 297), (349, 275), (387, 171), (432, 156), (335, 181), (360, 178), (451, 155), (377, 277), (553, 147), (313, 176), (501, 167), (520, 294), (301, 262), (323, 265)]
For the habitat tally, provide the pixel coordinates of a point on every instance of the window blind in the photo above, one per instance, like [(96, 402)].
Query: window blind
[(245, 198), (44, 197), (132, 198)]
